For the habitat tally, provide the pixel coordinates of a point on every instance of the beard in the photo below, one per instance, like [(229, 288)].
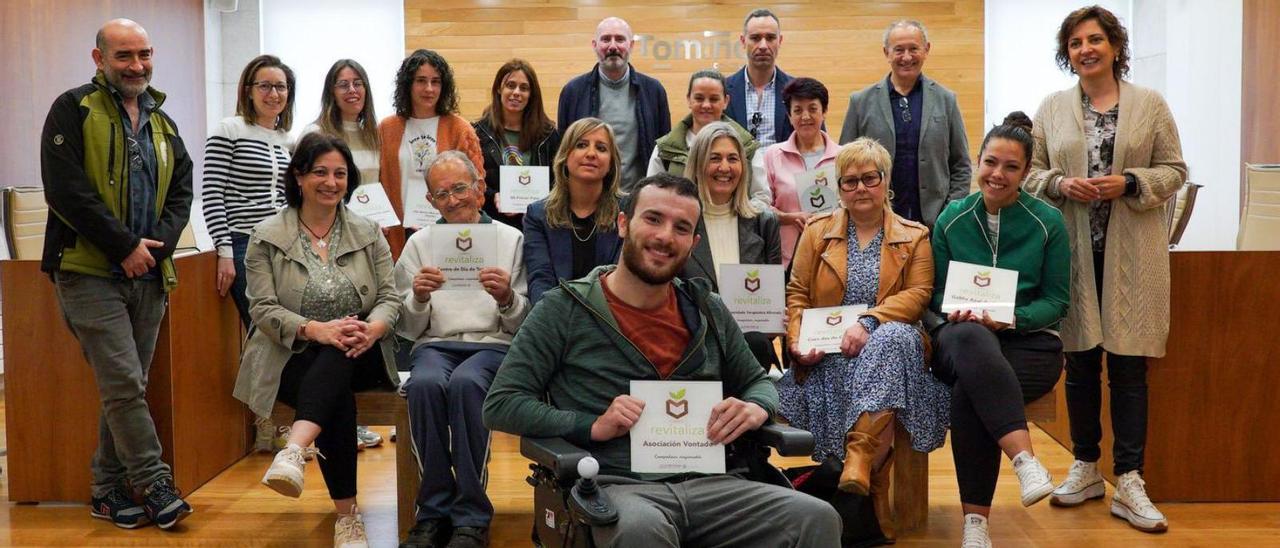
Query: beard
[(633, 258), (116, 79)]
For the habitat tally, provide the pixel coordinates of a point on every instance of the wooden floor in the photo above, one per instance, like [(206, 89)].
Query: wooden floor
[(235, 510)]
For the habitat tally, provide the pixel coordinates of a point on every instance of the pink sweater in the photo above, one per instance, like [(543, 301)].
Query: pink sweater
[(782, 162)]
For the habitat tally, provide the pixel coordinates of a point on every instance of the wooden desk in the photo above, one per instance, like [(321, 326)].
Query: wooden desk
[(52, 401), (1214, 398)]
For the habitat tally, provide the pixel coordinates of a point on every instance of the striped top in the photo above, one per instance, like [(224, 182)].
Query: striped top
[(244, 167)]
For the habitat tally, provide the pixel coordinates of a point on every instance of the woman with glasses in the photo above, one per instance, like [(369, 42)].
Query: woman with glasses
[(808, 148), (514, 130), (996, 367), (425, 124), (324, 297), (732, 229), (575, 229), (707, 103), (346, 112), (245, 161), (863, 253)]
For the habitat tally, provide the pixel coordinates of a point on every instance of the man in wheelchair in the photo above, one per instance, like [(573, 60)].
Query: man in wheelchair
[(568, 371)]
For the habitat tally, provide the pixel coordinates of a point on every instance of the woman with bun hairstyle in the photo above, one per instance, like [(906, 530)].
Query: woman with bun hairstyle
[(1108, 155), (995, 368)]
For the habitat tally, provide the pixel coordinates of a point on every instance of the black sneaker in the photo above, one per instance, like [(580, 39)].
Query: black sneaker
[(428, 533), (469, 537), (116, 505), (163, 504)]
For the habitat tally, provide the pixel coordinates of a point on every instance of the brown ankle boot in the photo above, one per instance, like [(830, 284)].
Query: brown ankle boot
[(880, 481), (861, 444)]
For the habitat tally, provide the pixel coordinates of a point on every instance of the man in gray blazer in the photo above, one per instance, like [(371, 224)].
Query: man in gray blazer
[(918, 121)]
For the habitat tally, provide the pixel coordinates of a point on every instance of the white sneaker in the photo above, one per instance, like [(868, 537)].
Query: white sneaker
[(975, 532), (1131, 504), (286, 471), (348, 531), (1083, 483), (1034, 478)]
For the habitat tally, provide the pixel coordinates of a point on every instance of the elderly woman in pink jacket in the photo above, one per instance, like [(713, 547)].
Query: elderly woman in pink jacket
[(808, 148)]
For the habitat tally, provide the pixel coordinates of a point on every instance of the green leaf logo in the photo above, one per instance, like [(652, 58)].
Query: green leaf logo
[(677, 395), (817, 191), (984, 273), (464, 233), (834, 313), (754, 274)]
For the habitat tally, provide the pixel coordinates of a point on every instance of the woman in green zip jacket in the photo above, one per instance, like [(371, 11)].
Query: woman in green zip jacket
[(993, 367)]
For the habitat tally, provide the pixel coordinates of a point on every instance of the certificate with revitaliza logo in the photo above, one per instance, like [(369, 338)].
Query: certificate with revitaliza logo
[(755, 295), (822, 329), (418, 211), (671, 435), (370, 200), (816, 189), (521, 186), (980, 289), (461, 251)]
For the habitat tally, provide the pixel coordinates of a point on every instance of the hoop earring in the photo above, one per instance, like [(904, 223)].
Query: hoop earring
[(889, 194)]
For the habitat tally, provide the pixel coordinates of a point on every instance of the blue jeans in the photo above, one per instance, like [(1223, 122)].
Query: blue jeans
[(117, 322), (239, 247)]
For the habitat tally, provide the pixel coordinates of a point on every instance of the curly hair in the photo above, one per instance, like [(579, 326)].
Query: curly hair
[(403, 98), (1116, 34)]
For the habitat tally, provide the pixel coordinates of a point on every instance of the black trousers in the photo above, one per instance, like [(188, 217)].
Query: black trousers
[(992, 376), (320, 383), (1127, 379)]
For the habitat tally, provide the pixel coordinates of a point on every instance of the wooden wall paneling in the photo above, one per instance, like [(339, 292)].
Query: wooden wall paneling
[(1260, 101), (838, 43), (1212, 398)]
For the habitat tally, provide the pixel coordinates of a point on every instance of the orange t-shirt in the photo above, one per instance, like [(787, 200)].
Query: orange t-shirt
[(659, 333)]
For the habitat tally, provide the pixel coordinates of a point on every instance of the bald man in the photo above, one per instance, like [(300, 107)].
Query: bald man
[(118, 182), (633, 104)]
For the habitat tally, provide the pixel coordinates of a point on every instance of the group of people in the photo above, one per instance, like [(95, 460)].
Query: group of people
[(614, 276)]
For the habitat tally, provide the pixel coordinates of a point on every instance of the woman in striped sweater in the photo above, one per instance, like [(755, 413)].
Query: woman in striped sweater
[(245, 160)]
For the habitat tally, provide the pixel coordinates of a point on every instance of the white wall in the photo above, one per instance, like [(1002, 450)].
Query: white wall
[(1201, 85), (309, 35)]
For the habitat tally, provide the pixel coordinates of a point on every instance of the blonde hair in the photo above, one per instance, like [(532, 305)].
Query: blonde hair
[(558, 213), (865, 150), (700, 154)]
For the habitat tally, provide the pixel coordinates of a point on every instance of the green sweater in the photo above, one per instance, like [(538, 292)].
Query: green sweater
[(1032, 240), (569, 360)]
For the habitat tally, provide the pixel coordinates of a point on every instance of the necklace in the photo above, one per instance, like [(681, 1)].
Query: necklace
[(574, 228), (320, 239)]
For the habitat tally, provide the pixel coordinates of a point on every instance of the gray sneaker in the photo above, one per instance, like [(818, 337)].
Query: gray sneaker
[(367, 438)]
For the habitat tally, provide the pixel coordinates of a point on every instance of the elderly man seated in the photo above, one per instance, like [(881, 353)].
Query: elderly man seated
[(460, 336), (568, 371)]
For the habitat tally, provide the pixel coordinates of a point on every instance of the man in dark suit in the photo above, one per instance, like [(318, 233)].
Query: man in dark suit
[(918, 121), (755, 91)]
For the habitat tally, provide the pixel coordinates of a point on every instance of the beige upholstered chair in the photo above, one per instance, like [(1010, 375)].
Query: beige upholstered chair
[(1260, 216), (1179, 211), (25, 213)]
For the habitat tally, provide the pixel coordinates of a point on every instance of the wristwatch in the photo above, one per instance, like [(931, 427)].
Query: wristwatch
[(1131, 187)]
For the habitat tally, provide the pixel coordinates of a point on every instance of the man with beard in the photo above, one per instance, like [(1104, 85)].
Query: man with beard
[(568, 370), (118, 182), (918, 121), (633, 104), (755, 91)]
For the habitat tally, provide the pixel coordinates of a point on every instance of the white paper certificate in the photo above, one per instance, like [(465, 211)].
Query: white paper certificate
[(418, 211), (755, 295), (822, 328), (980, 288), (816, 189), (671, 435), (521, 186), (461, 251), (370, 200)]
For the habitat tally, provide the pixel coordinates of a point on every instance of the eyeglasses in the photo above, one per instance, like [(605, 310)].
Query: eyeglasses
[(869, 180), (756, 119), (906, 109), (344, 85), (266, 87), (458, 190)]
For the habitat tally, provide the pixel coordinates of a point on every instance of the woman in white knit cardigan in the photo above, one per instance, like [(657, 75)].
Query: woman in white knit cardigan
[(1108, 155)]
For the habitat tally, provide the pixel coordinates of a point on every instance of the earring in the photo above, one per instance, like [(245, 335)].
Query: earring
[(889, 193)]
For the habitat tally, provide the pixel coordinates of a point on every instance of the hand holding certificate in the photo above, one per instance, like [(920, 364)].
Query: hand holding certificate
[(672, 433), (980, 289), (755, 295), (461, 251), (822, 329)]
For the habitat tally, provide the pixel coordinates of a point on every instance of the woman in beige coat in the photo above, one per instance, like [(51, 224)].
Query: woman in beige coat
[(322, 297), (1108, 155)]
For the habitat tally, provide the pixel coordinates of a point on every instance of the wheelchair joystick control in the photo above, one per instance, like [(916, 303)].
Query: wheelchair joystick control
[(587, 500)]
